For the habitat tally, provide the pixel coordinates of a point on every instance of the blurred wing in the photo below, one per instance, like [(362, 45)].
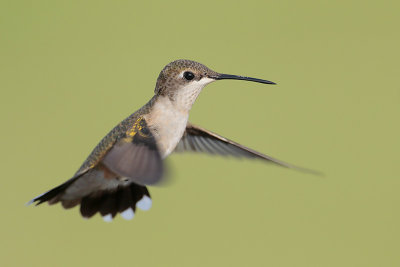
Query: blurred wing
[(197, 139), (136, 156)]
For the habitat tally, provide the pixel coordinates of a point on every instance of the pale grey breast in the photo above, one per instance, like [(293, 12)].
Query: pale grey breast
[(167, 123)]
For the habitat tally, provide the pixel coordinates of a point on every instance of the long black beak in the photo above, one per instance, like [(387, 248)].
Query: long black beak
[(236, 77)]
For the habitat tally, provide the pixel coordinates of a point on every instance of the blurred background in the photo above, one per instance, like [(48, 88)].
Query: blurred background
[(71, 70)]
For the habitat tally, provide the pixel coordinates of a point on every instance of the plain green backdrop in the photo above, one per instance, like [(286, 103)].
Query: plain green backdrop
[(71, 70)]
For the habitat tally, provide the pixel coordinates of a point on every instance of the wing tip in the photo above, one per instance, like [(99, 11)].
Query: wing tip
[(301, 169)]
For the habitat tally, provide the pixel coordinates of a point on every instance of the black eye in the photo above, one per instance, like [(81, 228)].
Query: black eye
[(188, 75)]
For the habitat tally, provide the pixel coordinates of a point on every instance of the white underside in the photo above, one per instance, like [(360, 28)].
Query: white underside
[(168, 124)]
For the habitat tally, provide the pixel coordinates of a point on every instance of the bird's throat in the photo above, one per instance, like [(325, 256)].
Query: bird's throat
[(167, 121)]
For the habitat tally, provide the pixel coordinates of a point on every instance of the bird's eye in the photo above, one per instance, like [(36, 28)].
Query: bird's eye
[(188, 75)]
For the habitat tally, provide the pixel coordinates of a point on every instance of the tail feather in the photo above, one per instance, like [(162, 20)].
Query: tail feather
[(123, 199), (113, 202), (52, 196), (109, 204), (67, 204)]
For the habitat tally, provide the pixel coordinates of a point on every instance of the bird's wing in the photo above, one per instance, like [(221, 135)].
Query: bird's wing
[(197, 139), (112, 179), (136, 156)]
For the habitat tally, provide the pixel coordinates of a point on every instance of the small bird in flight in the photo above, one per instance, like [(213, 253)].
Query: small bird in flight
[(114, 177)]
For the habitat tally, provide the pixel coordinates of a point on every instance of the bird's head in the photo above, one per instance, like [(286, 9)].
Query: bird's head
[(182, 80)]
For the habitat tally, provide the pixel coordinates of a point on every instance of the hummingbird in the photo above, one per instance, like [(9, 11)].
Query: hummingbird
[(115, 176)]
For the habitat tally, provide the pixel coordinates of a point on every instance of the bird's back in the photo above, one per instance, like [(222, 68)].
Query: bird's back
[(112, 137)]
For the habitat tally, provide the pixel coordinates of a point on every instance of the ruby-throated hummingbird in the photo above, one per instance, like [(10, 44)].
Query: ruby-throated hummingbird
[(114, 177)]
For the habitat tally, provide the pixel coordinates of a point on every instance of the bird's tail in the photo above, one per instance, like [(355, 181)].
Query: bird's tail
[(123, 199), (52, 196)]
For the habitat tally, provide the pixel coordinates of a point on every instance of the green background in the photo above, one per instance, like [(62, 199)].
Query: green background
[(71, 70)]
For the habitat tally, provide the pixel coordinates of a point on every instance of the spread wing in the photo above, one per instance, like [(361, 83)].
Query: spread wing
[(196, 139), (136, 156)]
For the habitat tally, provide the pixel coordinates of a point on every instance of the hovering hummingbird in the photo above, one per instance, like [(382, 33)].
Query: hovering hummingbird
[(114, 177)]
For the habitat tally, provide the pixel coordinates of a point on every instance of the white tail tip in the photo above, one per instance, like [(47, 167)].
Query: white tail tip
[(144, 203), (107, 218), (128, 214)]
